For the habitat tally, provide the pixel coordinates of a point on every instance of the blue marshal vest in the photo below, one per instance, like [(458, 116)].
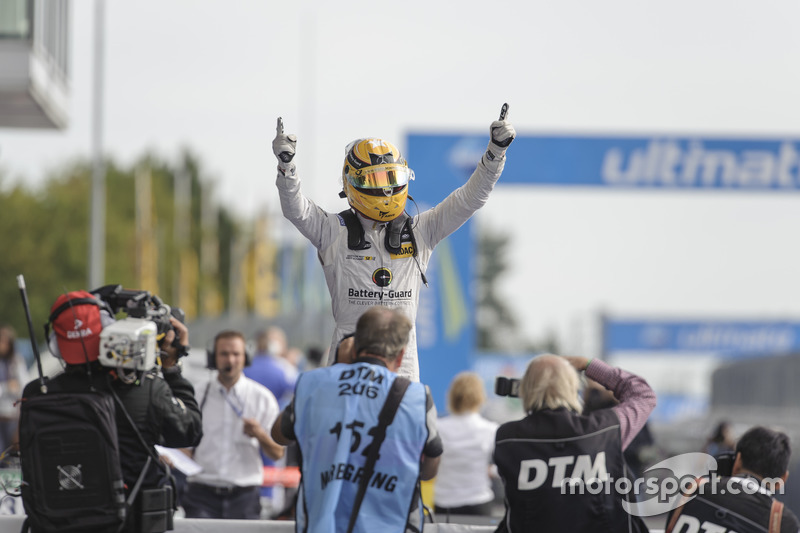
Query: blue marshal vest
[(335, 408)]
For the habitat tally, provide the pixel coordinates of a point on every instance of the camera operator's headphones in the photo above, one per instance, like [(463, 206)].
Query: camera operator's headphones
[(73, 328), (211, 351)]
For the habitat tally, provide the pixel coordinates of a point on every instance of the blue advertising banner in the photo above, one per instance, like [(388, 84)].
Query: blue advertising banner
[(727, 339), (446, 315), (442, 163), (668, 162)]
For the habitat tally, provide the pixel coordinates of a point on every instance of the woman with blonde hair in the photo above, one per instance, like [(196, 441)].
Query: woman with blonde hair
[(463, 485), (557, 464)]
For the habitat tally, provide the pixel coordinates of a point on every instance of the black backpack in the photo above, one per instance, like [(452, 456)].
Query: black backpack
[(69, 453)]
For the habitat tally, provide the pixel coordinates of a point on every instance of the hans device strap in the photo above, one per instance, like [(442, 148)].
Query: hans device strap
[(355, 233), (393, 242), (385, 418), (394, 232)]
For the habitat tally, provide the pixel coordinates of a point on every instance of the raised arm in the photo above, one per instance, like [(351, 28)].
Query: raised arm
[(307, 217), (636, 399), (462, 203)]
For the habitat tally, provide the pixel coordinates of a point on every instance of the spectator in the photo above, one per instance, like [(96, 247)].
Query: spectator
[(267, 368), (554, 443), (334, 418), (13, 376), (721, 440), (463, 485), (759, 471), (314, 357), (237, 414)]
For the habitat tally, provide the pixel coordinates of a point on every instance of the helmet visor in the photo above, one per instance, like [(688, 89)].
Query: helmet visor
[(380, 176)]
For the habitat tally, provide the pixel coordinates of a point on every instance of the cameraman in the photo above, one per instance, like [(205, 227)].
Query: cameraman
[(554, 444), (162, 406)]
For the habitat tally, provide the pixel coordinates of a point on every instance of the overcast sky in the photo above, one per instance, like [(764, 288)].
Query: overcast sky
[(214, 76)]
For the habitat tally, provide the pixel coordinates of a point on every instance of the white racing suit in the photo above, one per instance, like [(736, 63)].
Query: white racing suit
[(358, 279)]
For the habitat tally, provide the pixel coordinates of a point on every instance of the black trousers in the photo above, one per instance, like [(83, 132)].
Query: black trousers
[(206, 501), (484, 509)]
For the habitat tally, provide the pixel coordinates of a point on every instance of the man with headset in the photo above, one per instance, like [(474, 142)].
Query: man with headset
[(237, 414)]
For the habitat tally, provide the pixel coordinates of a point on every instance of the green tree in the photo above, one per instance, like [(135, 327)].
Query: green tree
[(496, 322), (45, 233), (497, 325)]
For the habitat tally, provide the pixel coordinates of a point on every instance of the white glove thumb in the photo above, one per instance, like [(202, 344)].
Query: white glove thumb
[(284, 147), (502, 133)]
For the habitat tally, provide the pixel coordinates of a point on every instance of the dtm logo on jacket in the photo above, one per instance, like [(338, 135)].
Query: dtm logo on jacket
[(690, 524), (534, 472)]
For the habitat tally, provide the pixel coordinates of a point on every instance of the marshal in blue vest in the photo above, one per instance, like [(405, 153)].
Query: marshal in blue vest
[(335, 410)]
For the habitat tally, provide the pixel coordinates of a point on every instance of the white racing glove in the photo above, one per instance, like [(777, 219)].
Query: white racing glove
[(284, 147), (502, 133)]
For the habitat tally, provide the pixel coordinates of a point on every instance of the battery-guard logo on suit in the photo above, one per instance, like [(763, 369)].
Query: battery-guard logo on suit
[(382, 277)]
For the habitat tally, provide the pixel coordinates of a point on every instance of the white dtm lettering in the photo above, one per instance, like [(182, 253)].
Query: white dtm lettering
[(534, 472), (690, 524)]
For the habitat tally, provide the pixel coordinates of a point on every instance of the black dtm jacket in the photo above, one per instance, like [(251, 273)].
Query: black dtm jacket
[(552, 463), (163, 409), (717, 509)]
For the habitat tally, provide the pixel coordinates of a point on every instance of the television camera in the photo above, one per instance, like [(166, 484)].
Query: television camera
[(131, 343)]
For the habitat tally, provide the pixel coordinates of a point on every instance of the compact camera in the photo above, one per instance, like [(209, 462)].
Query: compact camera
[(725, 462), (506, 386)]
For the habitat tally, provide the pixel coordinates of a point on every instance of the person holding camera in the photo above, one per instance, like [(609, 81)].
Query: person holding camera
[(157, 407), (744, 501), (550, 459), (366, 435)]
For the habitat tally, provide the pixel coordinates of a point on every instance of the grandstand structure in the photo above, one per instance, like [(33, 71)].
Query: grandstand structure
[(34, 64)]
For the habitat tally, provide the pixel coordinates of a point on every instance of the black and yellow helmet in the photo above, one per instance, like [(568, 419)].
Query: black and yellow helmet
[(375, 179)]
